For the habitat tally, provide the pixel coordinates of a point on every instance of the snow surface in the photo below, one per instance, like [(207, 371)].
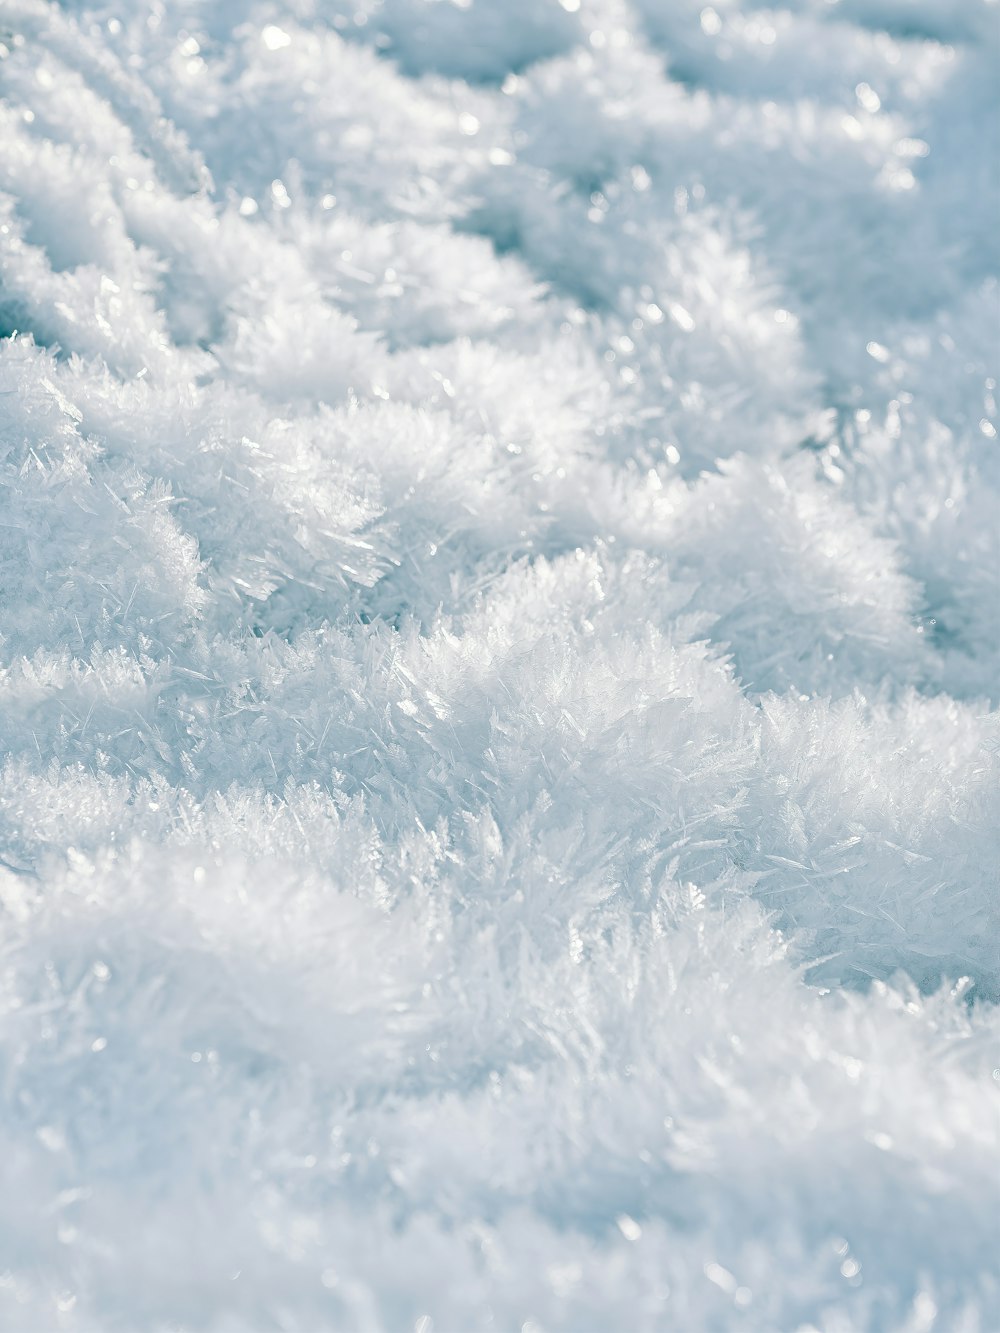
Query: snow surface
[(499, 658)]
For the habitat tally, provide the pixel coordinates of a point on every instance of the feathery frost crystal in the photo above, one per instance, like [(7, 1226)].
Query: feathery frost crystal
[(499, 659)]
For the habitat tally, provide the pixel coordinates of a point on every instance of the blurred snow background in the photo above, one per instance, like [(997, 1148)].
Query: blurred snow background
[(499, 650)]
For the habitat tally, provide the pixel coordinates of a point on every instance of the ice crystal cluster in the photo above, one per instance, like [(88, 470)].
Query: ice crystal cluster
[(499, 658)]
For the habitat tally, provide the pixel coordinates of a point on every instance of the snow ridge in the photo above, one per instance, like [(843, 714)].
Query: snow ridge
[(499, 666)]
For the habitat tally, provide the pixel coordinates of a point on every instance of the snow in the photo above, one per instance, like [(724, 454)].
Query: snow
[(499, 666)]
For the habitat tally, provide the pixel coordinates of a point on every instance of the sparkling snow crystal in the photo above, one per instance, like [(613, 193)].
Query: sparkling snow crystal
[(499, 660)]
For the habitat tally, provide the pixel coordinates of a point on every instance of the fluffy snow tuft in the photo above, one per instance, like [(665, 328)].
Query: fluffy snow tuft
[(499, 658)]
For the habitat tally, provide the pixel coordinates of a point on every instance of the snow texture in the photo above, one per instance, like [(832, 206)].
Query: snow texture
[(499, 666)]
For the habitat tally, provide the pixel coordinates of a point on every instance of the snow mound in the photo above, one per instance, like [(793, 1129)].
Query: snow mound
[(499, 666)]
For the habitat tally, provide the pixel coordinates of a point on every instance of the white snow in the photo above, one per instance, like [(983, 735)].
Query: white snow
[(499, 666)]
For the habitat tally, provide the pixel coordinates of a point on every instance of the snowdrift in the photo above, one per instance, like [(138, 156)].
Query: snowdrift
[(499, 660)]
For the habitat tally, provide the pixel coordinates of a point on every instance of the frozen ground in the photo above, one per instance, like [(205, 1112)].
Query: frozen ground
[(499, 637)]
